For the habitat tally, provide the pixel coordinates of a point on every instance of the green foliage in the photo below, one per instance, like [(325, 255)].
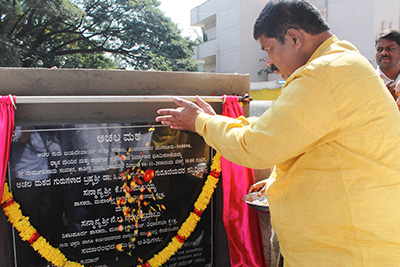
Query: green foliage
[(91, 34), (266, 70)]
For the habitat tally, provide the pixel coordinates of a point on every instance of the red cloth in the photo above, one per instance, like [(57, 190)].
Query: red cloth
[(7, 128), (241, 222)]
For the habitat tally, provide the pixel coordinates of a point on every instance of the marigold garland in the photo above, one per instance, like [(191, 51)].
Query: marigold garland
[(55, 256), (28, 233), (191, 222)]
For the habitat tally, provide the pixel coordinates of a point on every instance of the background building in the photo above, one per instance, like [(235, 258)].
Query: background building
[(227, 27), (229, 46)]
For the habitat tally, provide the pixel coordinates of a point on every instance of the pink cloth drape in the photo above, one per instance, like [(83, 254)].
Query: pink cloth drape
[(241, 222), (7, 128)]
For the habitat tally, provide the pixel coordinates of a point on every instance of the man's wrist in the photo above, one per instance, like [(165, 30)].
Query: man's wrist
[(200, 122)]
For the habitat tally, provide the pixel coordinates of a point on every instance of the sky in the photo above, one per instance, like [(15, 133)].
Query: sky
[(179, 12)]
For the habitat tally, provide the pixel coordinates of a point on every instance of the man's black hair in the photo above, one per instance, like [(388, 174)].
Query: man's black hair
[(279, 16), (391, 35)]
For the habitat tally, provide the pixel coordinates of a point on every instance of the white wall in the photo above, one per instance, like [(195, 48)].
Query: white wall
[(359, 21), (353, 21), (211, 32), (250, 50), (228, 36), (237, 51)]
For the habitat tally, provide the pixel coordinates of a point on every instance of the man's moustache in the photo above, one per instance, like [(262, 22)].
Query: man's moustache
[(274, 68)]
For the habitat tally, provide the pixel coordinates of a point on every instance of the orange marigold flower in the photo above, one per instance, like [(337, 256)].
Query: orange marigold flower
[(119, 247)]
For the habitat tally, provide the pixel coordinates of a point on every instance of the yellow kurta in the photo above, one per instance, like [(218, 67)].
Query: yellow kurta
[(333, 135)]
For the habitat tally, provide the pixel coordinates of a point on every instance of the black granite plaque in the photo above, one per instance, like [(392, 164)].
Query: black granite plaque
[(110, 195)]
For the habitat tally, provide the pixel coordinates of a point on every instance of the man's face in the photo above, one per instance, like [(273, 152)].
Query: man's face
[(387, 54), (283, 56)]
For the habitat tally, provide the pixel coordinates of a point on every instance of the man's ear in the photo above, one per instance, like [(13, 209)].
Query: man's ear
[(295, 37)]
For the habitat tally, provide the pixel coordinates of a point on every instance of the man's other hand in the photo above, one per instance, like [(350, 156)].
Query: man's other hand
[(259, 187)]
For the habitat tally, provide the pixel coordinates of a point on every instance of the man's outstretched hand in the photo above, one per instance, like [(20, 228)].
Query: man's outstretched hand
[(184, 117)]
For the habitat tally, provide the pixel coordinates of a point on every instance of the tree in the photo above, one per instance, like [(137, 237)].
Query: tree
[(91, 33)]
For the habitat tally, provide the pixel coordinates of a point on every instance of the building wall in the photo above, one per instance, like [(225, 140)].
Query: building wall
[(236, 51), (354, 24), (228, 36), (251, 55)]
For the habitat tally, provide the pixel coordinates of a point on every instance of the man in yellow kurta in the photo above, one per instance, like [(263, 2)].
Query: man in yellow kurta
[(333, 135)]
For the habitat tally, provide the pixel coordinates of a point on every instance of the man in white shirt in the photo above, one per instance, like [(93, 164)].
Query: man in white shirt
[(388, 58)]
